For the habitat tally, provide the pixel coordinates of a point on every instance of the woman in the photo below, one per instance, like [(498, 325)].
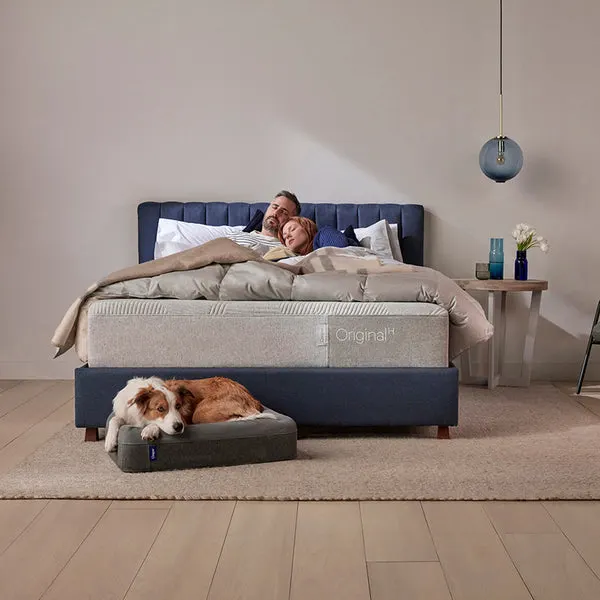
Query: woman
[(297, 237)]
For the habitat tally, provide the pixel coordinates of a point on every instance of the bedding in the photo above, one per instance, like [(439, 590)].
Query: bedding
[(395, 243), (255, 222), (175, 236), (223, 270), (377, 238), (330, 236)]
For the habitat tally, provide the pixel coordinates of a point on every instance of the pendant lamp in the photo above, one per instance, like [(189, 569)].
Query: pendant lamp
[(501, 158)]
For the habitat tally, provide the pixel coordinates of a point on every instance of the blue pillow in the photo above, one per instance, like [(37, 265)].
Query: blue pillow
[(255, 223), (329, 236)]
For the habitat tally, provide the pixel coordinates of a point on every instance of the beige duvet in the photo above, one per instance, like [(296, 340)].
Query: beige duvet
[(223, 270)]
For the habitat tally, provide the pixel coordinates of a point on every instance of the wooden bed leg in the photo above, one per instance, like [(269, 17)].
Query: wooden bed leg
[(443, 432), (91, 434)]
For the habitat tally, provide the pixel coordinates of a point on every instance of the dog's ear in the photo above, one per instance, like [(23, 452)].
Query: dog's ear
[(187, 402), (185, 393), (142, 398)]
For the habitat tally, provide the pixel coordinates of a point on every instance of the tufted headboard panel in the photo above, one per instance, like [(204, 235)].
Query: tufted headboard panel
[(409, 217)]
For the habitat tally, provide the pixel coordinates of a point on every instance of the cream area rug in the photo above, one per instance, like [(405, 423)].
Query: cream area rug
[(511, 444)]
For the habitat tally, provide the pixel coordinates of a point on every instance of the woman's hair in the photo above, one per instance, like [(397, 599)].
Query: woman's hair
[(309, 226)]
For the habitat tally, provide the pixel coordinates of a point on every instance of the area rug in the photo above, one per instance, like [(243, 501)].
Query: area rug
[(511, 444)]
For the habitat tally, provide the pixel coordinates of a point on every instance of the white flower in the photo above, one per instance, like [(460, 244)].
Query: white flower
[(527, 237)]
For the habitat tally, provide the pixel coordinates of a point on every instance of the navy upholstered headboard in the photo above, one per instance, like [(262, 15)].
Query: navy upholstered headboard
[(408, 216)]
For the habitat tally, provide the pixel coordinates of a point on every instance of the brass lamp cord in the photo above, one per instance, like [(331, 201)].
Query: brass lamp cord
[(501, 124)]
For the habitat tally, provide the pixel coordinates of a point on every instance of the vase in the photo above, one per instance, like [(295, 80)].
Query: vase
[(521, 265), (496, 258)]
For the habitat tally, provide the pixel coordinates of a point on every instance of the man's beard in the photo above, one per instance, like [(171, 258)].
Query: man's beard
[(271, 225)]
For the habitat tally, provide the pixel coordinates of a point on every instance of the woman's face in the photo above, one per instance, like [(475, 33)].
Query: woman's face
[(294, 235)]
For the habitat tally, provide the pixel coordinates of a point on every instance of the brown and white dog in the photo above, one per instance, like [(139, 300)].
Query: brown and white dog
[(156, 405), (214, 400)]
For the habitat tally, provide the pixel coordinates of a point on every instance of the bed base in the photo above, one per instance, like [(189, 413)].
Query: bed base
[(317, 397)]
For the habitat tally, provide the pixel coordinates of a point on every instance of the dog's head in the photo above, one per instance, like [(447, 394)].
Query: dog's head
[(161, 406), (186, 400)]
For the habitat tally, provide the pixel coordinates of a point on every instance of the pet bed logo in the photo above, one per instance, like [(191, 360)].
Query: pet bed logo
[(361, 336), (153, 453)]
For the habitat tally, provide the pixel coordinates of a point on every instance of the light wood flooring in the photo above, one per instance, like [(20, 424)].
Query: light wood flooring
[(91, 549)]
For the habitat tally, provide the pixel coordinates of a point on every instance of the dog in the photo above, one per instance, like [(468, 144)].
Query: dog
[(168, 406), (215, 399)]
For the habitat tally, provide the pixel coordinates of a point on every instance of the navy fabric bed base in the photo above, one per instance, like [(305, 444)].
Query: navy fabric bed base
[(310, 396)]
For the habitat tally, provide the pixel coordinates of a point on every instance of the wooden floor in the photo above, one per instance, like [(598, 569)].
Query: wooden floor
[(90, 549)]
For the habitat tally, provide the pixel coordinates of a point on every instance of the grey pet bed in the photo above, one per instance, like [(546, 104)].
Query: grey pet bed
[(208, 445)]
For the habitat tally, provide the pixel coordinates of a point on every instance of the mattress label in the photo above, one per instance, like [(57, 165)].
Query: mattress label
[(360, 336), (152, 453), (387, 341), (322, 333)]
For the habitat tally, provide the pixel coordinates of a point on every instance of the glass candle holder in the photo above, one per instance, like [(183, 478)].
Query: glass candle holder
[(482, 270)]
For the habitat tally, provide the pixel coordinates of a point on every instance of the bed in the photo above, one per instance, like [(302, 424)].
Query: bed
[(318, 387)]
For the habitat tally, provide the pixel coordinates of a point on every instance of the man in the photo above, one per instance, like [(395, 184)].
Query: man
[(283, 206)]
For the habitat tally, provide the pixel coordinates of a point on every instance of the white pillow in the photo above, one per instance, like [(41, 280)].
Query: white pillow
[(376, 238), (174, 236), (395, 242)]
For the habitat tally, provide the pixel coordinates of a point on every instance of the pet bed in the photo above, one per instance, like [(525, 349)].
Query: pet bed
[(208, 445)]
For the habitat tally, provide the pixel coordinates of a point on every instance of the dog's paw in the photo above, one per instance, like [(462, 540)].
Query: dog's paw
[(111, 439), (110, 445), (151, 432)]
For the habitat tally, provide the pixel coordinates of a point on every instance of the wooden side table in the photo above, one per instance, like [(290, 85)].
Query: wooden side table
[(495, 288)]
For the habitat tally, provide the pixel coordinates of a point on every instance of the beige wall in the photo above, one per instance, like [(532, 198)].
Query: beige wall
[(109, 102)]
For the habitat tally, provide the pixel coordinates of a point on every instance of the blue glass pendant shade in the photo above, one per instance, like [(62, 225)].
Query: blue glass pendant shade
[(501, 159)]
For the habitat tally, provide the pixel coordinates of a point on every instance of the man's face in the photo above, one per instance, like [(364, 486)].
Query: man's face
[(278, 213)]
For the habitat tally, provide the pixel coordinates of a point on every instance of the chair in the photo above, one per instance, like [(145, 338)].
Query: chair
[(594, 339)]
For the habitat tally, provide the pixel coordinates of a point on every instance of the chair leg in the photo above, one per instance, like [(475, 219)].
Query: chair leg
[(584, 366)]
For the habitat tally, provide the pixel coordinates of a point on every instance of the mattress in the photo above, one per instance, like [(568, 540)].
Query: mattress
[(205, 333)]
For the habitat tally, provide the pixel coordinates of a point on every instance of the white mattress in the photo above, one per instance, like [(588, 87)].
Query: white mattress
[(205, 333)]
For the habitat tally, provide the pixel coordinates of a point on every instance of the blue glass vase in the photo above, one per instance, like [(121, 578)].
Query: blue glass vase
[(497, 258), (521, 265)]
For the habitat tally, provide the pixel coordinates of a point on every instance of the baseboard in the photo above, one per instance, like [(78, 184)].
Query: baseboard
[(41, 369), (546, 371)]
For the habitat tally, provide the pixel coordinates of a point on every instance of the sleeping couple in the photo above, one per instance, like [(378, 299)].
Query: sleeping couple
[(283, 233)]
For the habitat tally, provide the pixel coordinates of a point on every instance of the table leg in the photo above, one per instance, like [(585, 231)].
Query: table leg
[(492, 379), (493, 374), (466, 371), (500, 334), (534, 314)]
